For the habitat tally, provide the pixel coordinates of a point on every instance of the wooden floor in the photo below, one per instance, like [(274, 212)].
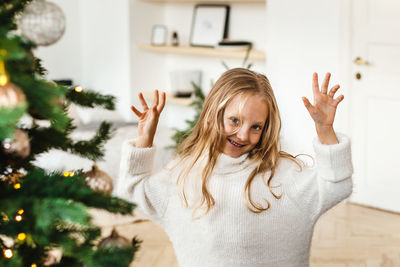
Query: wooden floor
[(347, 236)]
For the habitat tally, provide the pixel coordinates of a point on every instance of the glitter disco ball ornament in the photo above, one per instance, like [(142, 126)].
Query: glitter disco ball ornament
[(42, 22)]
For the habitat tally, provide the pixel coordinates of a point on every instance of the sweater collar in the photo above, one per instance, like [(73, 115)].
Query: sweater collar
[(226, 164)]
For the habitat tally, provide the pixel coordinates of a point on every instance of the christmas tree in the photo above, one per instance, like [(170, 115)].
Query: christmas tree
[(42, 212)]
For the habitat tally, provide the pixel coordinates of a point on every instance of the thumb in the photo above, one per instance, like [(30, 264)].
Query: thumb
[(307, 104)]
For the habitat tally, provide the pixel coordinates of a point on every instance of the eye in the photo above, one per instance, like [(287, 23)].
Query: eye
[(256, 127), (235, 121)]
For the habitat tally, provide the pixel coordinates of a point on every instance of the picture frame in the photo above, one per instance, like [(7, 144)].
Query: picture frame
[(210, 25), (159, 35)]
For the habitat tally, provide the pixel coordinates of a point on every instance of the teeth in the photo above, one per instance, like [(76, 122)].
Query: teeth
[(234, 143)]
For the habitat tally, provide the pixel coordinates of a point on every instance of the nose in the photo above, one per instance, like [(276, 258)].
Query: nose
[(243, 134)]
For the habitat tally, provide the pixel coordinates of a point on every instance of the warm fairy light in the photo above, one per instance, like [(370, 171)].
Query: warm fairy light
[(21, 236), (21, 211), (68, 174), (5, 218), (8, 253), (78, 89), (3, 74), (17, 186), (33, 265), (3, 79), (7, 145), (18, 218)]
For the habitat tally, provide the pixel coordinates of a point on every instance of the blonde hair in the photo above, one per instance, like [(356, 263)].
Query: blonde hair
[(207, 136)]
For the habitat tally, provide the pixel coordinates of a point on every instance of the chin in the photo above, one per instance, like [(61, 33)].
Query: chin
[(233, 155)]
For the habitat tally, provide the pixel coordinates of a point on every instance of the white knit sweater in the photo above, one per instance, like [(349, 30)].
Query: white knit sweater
[(231, 235)]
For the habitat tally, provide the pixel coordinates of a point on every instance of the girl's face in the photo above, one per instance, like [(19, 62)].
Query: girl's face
[(243, 129)]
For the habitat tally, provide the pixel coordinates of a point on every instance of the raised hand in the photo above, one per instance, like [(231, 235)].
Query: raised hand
[(324, 109), (148, 119)]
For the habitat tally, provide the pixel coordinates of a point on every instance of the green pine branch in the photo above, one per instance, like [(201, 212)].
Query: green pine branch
[(53, 208), (88, 98), (8, 10), (8, 120), (197, 103), (55, 212)]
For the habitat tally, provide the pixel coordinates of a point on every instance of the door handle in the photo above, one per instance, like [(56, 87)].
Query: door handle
[(361, 62)]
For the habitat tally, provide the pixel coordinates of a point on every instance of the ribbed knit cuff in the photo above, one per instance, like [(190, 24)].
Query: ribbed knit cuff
[(334, 161), (138, 159)]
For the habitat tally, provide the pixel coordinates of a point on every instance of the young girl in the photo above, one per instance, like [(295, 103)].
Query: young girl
[(231, 197)]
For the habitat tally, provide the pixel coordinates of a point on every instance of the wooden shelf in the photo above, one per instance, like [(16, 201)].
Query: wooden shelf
[(204, 51), (169, 99)]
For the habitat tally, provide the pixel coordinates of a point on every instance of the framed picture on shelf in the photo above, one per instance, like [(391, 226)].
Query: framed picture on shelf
[(159, 35), (210, 25)]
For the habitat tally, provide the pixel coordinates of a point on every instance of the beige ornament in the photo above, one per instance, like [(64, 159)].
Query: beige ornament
[(114, 240), (99, 180), (11, 96), (19, 145), (53, 256)]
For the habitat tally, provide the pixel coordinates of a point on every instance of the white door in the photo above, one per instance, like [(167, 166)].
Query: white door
[(375, 103)]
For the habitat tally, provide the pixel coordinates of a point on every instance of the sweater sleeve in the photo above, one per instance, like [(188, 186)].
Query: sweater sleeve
[(138, 185), (329, 182), (334, 170)]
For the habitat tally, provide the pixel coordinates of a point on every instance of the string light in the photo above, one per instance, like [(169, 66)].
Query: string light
[(33, 265), (78, 89), (3, 79), (17, 186), (18, 218), (68, 174), (21, 236), (21, 211), (5, 218), (3, 74), (8, 253)]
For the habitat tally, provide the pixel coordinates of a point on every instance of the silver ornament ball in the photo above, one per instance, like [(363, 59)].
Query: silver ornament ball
[(42, 22)]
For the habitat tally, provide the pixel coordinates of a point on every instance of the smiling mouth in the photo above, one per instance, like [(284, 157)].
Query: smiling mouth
[(235, 144)]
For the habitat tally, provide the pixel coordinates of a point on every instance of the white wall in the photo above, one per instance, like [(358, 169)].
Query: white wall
[(95, 50), (99, 50), (64, 58), (147, 71), (105, 33), (298, 44), (247, 22)]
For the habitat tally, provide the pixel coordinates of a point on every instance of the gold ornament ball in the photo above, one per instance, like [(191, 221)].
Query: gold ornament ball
[(99, 180), (114, 240), (11, 96), (19, 145)]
